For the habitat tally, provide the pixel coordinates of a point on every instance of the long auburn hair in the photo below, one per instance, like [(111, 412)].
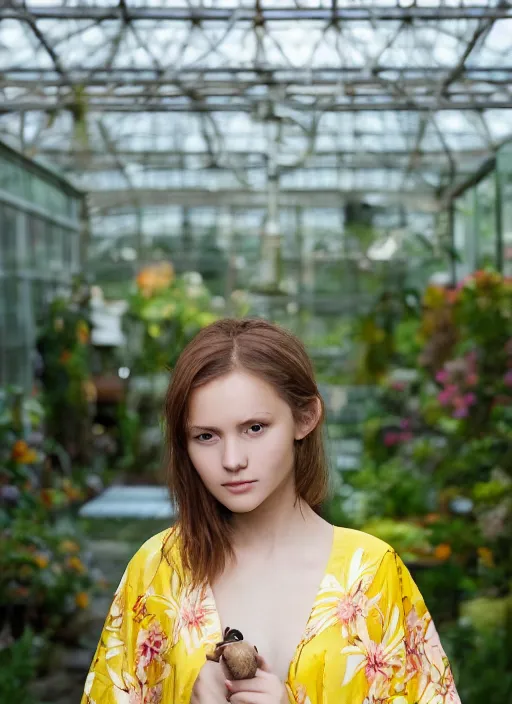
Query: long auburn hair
[(279, 358)]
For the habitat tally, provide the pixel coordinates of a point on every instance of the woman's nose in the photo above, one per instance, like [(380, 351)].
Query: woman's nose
[(233, 457)]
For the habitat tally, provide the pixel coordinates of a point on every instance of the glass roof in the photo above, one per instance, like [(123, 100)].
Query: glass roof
[(169, 102)]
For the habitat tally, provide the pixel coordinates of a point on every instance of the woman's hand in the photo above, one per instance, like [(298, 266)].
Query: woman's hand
[(263, 688), (210, 684)]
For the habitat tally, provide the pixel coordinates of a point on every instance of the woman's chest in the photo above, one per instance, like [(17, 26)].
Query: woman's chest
[(271, 609)]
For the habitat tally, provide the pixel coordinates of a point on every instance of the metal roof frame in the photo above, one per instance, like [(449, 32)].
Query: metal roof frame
[(254, 96)]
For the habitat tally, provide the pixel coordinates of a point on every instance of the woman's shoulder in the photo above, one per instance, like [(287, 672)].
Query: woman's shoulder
[(156, 558), (356, 545)]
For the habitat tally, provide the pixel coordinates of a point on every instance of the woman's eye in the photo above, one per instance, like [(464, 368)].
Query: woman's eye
[(256, 428), (205, 436)]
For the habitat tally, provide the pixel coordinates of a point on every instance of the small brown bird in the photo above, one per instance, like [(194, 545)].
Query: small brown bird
[(238, 655)]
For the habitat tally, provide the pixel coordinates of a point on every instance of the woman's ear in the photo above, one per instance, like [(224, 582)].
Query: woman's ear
[(309, 420)]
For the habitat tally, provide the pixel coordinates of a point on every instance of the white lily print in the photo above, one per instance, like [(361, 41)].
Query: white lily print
[(380, 660), (344, 602)]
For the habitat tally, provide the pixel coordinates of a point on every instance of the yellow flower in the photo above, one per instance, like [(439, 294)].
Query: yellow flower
[(486, 556), (69, 546), (41, 560), (25, 571), (71, 491), (82, 332), (76, 564), (443, 551), (82, 600)]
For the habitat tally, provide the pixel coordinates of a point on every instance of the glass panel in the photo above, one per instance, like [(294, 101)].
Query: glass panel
[(465, 240), (7, 238), (505, 170), (486, 222), (37, 243)]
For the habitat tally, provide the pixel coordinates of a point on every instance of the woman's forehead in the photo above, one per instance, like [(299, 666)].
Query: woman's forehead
[(234, 397)]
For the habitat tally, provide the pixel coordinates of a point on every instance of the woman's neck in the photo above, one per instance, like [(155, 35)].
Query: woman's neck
[(277, 524)]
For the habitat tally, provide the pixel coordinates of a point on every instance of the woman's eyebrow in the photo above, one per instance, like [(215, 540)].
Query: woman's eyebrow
[(217, 430)]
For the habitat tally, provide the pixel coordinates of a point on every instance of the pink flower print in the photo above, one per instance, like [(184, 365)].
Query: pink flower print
[(445, 688), (197, 620), (154, 695), (151, 643), (376, 662), (349, 607)]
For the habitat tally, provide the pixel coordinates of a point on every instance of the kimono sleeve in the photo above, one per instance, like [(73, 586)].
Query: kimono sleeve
[(112, 672), (424, 675)]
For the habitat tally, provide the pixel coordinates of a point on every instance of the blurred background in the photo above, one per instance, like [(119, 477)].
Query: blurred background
[(340, 167)]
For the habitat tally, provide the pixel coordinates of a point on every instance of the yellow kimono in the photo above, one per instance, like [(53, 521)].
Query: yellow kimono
[(369, 638)]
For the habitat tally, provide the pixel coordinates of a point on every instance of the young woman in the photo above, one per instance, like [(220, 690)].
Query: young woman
[(334, 613)]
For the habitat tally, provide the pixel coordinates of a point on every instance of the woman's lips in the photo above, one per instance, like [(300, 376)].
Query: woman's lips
[(239, 487)]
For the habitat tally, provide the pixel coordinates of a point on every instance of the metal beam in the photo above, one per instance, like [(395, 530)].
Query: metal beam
[(323, 159), (247, 77), (256, 16), (103, 201), (164, 104)]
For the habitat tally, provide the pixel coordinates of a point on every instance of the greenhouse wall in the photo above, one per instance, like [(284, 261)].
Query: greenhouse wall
[(39, 254), (482, 227)]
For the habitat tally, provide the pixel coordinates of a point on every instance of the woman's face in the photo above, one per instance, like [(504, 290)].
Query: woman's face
[(240, 440)]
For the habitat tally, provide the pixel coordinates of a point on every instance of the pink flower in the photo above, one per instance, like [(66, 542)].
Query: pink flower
[(405, 424), (461, 412), (508, 378), (445, 397), (469, 398), (442, 376), (398, 386), (390, 438), (472, 379)]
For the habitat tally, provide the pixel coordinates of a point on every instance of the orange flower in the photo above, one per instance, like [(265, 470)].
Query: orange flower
[(82, 600), (65, 357), (432, 518), (76, 564), (486, 556), (47, 497), (22, 454), (21, 591), (443, 551), (41, 560)]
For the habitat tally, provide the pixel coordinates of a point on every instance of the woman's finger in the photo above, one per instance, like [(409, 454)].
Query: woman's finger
[(249, 698), (252, 685), (262, 663)]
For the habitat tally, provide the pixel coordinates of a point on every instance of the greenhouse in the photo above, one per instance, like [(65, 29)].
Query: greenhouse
[(342, 169)]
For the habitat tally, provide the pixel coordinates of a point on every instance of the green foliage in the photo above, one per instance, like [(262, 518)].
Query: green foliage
[(43, 567), (164, 313), (481, 661), (64, 344), (436, 475), (18, 661)]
